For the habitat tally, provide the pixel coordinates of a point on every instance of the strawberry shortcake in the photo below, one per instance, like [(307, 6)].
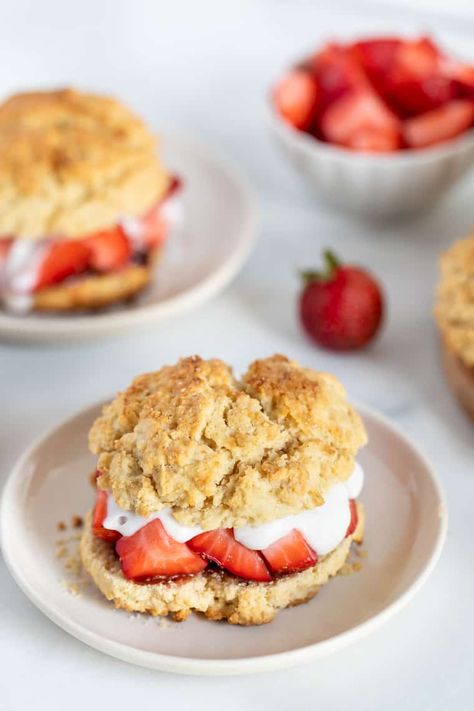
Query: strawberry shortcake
[(232, 498), (84, 198)]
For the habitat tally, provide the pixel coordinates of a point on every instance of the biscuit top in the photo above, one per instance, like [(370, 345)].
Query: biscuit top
[(72, 164), (454, 309), (221, 452)]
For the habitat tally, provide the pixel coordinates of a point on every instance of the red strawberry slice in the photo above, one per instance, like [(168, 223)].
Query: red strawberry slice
[(377, 55), (154, 227), (417, 58), (358, 113), (174, 187), (221, 547), (338, 72), (439, 125), (152, 553), (371, 140), (354, 518), (462, 76), (5, 244), (100, 512), (62, 260), (416, 82), (296, 98), (108, 250), (290, 554)]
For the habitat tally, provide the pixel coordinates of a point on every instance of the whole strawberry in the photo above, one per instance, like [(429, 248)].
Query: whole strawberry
[(341, 308)]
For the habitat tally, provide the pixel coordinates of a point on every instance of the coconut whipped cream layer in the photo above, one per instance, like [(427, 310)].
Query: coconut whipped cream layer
[(324, 527)]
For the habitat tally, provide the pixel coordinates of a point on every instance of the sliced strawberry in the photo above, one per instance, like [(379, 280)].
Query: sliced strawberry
[(338, 72), (108, 250), (154, 227), (372, 140), (462, 76), (417, 58), (5, 244), (290, 554), (221, 547), (100, 513), (354, 518), (361, 113), (296, 98), (152, 553), (174, 187), (377, 55), (410, 97), (63, 259), (439, 125), (416, 82)]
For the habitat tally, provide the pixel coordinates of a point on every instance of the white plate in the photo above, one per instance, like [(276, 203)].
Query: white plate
[(199, 259), (406, 526)]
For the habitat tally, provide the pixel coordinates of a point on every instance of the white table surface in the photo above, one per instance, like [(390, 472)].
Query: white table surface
[(204, 67)]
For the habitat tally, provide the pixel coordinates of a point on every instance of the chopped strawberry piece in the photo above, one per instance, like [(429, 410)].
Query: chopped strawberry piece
[(152, 553), (416, 82), (290, 554), (354, 518), (100, 513), (462, 76), (62, 260), (174, 187), (439, 125), (338, 72), (358, 114), (154, 227), (371, 140), (296, 98), (410, 97), (108, 250), (377, 55), (418, 58), (221, 547), (5, 245)]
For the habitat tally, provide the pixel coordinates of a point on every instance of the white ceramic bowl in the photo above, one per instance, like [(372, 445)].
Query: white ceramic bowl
[(375, 185)]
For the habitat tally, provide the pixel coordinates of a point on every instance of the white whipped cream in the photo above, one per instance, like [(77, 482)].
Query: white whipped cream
[(19, 273), (324, 527)]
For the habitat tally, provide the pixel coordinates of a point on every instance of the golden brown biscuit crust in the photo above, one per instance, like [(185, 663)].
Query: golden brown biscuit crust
[(218, 596), (72, 163), (225, 453), (454, 309)]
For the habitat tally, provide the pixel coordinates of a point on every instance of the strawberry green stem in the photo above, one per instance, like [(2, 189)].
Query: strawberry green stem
[(331, 265)]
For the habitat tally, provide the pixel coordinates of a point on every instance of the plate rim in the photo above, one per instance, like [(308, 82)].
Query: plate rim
[(216, 666), (49, 329)]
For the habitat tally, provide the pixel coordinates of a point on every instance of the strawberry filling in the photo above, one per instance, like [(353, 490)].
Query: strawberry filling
[(129, 242), (151, 553)]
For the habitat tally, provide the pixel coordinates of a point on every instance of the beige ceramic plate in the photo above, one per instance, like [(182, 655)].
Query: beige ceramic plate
[(199, 259), (406, 526)]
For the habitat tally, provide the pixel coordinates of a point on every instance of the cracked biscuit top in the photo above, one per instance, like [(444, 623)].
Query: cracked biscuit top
[(222, 452), (454, 309), (72, 164)]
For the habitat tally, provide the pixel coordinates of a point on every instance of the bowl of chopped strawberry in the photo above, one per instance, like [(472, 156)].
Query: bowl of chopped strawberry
[(380, 126)]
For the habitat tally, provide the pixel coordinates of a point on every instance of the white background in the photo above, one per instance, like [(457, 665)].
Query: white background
[(204, 67)]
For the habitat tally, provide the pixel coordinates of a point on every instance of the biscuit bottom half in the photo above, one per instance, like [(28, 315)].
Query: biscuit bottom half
[(96, 291), (216, 594)]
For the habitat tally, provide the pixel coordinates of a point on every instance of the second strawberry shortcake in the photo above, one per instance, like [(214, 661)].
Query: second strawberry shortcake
[(85, 202), (230, 498)]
